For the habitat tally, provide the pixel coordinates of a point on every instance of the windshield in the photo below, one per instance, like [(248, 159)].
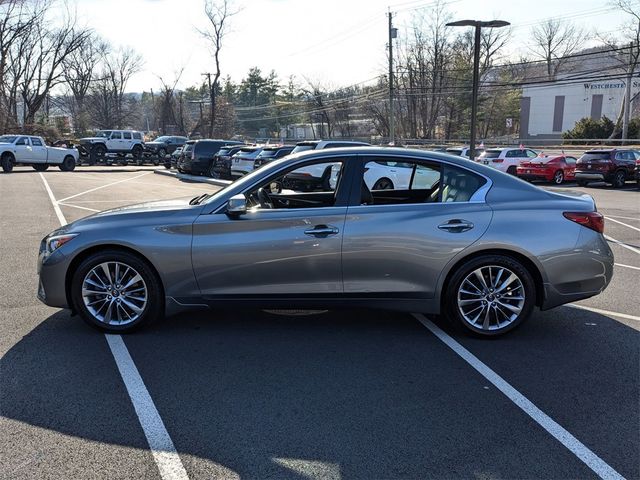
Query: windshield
[(8, 138), (162, 139), (103, 133), (188, 147), (302, 148)]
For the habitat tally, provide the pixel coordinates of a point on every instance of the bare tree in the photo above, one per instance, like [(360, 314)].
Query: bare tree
[(218, 13), (628, 58), (79, 73), (168, 104), (554, 41)]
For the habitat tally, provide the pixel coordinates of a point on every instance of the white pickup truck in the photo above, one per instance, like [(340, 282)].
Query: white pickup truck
[(30, 150)]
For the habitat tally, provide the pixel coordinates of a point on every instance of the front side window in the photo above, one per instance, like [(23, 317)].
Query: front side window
[(311, 186), (116, 136), (22, 141), (103, 133), (531, 154)]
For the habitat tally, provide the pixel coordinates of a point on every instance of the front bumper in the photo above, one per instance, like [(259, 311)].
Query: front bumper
[(52, 288)]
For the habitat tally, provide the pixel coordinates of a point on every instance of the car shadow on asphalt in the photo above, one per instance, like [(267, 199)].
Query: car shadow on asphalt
[(362, 393)]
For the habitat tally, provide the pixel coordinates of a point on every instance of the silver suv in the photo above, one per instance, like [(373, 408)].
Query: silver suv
[(120, 142)]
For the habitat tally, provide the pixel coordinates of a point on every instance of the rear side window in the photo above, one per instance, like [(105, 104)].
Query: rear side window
[(126, 135), (35, 141), (459, 185), (596, 157), (137, 135), (570, 160)]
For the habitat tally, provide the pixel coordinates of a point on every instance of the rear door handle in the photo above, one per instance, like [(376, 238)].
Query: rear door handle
[(456, 226), (322, 230)]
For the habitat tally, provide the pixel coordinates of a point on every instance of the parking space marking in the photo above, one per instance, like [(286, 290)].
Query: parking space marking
[(78, 206), (622, 244), (626, 266), (162, 448), (104, 186), (56, 207), (626, 316), (622, 223), (590, 459), (620, 216)]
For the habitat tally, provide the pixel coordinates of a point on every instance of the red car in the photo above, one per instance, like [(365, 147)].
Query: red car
[(549, 168)]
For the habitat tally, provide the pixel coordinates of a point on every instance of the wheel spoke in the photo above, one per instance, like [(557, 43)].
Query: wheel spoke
[(507, 282), (513, 308), (498, 277), (470, 301), (478, 274), (133, 307), (136, 278), (469, 282), (486, 319), (105, 270), (467, 292)]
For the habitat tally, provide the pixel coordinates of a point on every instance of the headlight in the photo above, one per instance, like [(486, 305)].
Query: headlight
[(56, 241)]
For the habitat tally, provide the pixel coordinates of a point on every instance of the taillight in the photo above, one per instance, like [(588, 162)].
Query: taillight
[(592, 220), (498, 160)]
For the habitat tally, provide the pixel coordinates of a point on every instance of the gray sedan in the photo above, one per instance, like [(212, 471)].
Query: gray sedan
[(459, 239)]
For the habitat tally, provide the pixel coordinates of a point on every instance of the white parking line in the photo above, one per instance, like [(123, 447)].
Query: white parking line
[(604, 312), (622, 244), (78, 206), (590, 459), (620, 216), (622, 223), (626, 266), (162, 448), (103, 186)]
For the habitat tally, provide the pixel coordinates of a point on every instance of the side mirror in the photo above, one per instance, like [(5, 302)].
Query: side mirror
[(237, 205)]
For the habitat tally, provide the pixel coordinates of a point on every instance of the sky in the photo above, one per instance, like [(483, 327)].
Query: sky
[(334, 42)]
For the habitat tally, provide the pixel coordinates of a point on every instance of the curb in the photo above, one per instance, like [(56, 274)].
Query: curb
[(193, 178)]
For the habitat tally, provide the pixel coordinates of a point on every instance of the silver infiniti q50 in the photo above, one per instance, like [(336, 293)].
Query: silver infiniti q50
[(376, 227)]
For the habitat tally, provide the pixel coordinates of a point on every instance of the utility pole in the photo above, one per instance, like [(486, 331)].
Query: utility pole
[(393, 33), (212, 106), (627, 98)]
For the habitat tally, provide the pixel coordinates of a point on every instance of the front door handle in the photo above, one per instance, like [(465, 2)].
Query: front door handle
[(322, 230), (456, 226)]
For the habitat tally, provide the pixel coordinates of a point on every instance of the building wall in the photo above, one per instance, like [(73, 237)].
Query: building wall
[(545, 106)]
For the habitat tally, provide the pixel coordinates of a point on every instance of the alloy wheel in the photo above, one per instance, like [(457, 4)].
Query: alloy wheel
[(114, 293), (491, 298), (558, 178)]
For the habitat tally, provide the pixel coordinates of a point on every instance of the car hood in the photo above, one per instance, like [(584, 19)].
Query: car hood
[(162, 212), (155, 144), (91, 139)]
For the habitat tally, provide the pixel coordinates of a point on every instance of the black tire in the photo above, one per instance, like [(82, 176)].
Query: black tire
[(156, 161), (7, 162), (383, 184), (582, 183), (451, 293), (40, 167), (137, 151), (68, 164), (154, 307), (167, 166), (558, 177), (211, 171), (619, 178), (512, 170), (98, 151)]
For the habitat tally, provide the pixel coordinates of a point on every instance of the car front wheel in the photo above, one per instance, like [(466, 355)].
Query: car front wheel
[(618, 179), (116, 291), (490, 295)]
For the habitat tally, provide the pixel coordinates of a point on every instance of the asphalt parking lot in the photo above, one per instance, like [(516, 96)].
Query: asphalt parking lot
[(337, 395)]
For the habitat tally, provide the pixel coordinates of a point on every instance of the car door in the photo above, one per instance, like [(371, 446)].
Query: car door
[(23, 150), (38, 150), (291, 249), (114, 143), (397, 242)]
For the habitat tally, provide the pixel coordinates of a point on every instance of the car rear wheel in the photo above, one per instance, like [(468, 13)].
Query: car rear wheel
[(383, 184), (619, 178), (68, 164), (558, 177), (212, 170), (512, 170), (116, 291), (40, 167), (490, 295), (7, 162)]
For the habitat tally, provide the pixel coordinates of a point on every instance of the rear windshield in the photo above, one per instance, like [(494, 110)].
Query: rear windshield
[(596, 156), (491, 153), (454, 151), (268, 153)]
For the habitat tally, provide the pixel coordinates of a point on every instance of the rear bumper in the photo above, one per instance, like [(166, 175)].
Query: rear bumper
[(591, 176), (535, 176)]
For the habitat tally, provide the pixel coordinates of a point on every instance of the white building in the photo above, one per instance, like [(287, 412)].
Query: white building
[(547, 110)]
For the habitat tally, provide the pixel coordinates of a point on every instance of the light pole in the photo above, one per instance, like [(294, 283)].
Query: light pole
[(477, 24)]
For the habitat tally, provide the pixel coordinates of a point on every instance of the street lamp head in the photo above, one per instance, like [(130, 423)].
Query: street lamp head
[(479, 23)]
